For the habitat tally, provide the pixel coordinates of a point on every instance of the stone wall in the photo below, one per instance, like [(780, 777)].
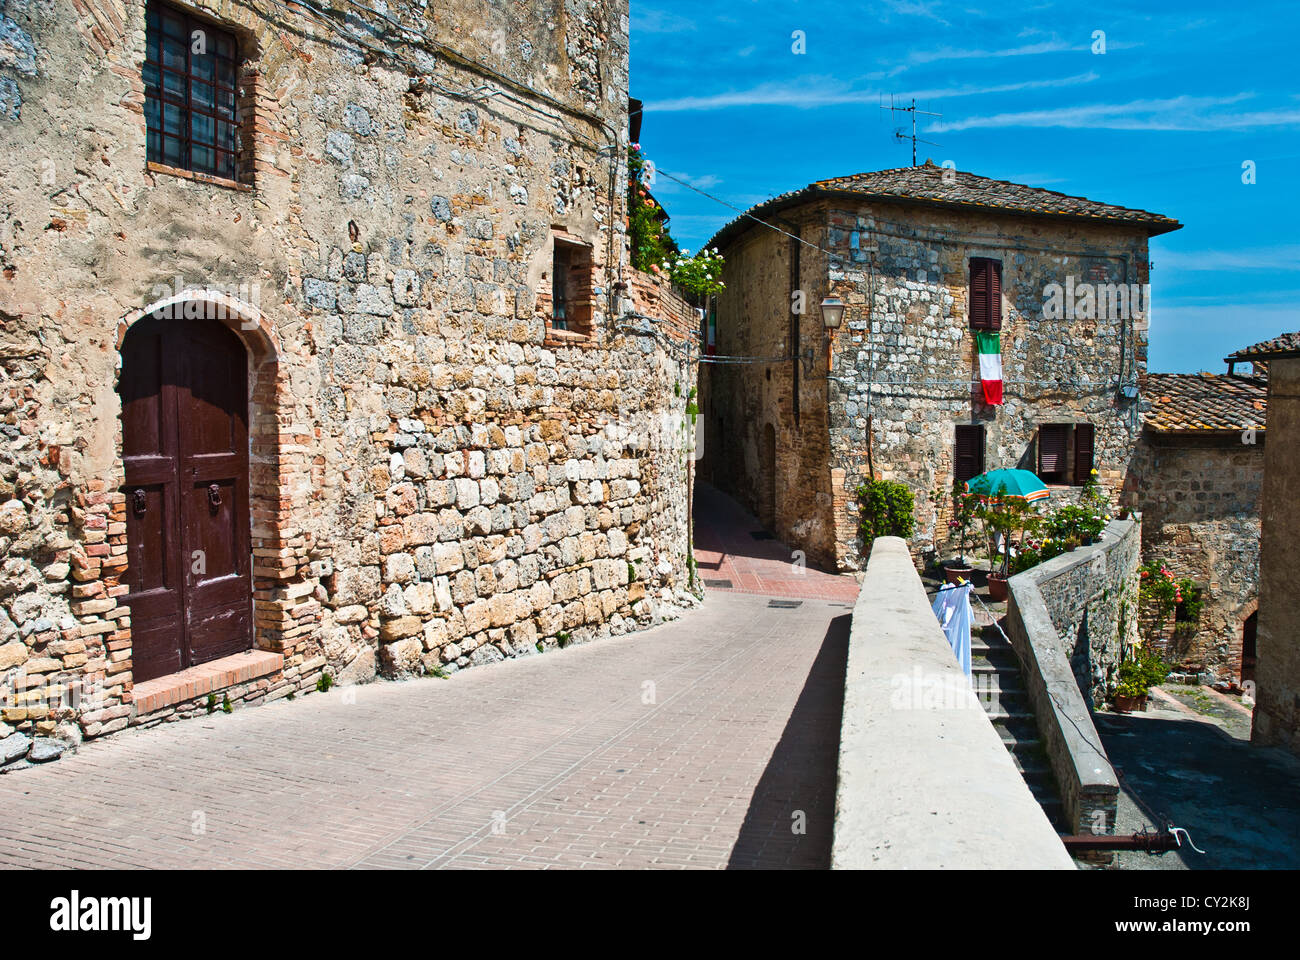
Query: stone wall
[(1091, 594), (905, 363), (766, 436), (924, 780), (438, 479), (1071, 619), (1200, 504), (1277, 677)]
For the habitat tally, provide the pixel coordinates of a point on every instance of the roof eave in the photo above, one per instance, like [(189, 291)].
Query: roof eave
[(815, 191)]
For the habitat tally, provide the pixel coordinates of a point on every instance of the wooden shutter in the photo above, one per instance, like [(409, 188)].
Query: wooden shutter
[(995, 294), (979, 293), (1051, 448), (1083, 444), (968, 458)]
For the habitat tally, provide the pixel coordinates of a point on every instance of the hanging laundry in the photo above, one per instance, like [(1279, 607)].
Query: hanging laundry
[(952, 607)]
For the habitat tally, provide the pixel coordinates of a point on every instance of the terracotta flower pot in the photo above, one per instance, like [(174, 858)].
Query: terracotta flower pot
[(997, 587), (1126, 704), (954, 572)]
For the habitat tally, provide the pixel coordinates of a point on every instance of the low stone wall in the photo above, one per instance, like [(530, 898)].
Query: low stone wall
[(924, 779), (1070, 620)]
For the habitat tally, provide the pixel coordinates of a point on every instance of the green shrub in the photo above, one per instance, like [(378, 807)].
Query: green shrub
[(886, 508)]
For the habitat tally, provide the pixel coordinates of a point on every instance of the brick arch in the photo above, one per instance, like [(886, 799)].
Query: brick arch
[(274, 565)]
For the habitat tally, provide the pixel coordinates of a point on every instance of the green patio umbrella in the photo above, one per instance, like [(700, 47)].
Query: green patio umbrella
[(1008, 483)]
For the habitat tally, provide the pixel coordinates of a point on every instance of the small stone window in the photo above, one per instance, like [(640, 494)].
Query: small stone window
[(571, 293), (192, 96), (1065, 453)]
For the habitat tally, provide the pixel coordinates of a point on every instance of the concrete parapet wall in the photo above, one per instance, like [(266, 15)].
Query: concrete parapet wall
[(924, 779), (1069, 620)]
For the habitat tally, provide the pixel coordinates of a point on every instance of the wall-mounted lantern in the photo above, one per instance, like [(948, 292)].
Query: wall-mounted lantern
[(832, 314)]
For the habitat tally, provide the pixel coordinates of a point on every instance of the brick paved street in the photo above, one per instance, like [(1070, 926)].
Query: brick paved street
[(549, 761), (730, 558)]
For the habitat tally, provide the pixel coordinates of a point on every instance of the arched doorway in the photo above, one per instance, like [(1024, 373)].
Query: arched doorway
[(184, 392), (767, 478)]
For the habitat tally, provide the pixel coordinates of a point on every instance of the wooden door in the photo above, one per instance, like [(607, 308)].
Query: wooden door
[(184, 389)]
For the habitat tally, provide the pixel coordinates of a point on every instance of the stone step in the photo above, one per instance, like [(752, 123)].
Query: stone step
[(1031, 764), (997, 714), (1018, 733)]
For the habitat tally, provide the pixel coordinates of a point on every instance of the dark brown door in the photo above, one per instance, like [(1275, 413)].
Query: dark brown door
[(184, 388)]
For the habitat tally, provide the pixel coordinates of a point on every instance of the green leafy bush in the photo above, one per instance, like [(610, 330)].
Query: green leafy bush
[(886, 508), (1143, 670)]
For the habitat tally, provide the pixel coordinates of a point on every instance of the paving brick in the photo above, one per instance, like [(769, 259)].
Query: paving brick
[(743, 732)]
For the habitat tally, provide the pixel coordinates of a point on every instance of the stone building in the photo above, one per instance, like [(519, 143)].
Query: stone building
[(315, 353), (923, 257), (1197, 479), (1277, 673)]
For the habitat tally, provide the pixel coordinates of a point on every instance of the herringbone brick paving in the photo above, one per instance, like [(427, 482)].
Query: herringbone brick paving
[(554, 760)]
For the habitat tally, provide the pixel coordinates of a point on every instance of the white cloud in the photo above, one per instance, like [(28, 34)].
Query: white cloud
[(1175, 113), (825, 92), (659, 21), (1273, 259)]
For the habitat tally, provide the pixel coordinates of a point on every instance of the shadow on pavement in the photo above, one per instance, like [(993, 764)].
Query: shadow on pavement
[(1240, 803), (802, 772)]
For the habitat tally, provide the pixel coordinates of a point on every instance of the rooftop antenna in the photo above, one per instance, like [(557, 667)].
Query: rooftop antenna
[(899, 134)]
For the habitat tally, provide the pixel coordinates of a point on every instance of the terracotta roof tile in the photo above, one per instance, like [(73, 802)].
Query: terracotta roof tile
[(1196, 402), (1286, 343), (927, 184)]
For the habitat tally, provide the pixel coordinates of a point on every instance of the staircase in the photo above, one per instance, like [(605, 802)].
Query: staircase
[(995, 673)]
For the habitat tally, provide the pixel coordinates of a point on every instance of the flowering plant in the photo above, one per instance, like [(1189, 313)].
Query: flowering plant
[(647, 233), (1158, 585), (700, 274), (964, 506)]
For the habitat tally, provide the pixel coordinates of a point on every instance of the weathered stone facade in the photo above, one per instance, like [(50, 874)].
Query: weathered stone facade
[(1277, 675), (1198, 483), (438, 478), (904, 369)]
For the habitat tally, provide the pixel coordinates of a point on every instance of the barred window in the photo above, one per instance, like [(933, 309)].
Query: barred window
[(191, 96)]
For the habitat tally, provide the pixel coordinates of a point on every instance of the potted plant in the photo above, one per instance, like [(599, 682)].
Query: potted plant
[(1138, 673), (1128, 692), (964, 506), (1001, 517)]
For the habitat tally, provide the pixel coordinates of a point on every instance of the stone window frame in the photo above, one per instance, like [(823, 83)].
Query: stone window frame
[(246, 98), (580, 300)]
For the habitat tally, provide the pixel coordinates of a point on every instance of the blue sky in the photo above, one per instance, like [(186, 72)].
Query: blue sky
[(1163, 120)]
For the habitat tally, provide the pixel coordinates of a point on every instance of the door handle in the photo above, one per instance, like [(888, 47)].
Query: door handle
[(140, 504), (214, 496)]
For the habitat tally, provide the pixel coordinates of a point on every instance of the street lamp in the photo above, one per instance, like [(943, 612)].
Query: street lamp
[(832, 313), (832, 317)]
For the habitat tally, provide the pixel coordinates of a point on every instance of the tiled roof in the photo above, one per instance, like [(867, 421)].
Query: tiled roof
[(1196, 402), (1286, 343), (927, 184)]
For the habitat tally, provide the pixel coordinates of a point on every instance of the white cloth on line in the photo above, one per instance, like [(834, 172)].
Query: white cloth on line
[(952, 607)]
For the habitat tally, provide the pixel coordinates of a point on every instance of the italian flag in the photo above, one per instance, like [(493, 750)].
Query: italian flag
[(990, 348)]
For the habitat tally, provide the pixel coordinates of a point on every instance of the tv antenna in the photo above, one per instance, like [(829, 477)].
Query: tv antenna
[(899, 134)]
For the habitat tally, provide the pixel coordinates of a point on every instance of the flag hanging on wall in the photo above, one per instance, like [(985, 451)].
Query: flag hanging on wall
[(990, 348)]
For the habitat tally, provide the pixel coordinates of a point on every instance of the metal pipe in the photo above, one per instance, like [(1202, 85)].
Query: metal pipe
[(1150, 842)]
